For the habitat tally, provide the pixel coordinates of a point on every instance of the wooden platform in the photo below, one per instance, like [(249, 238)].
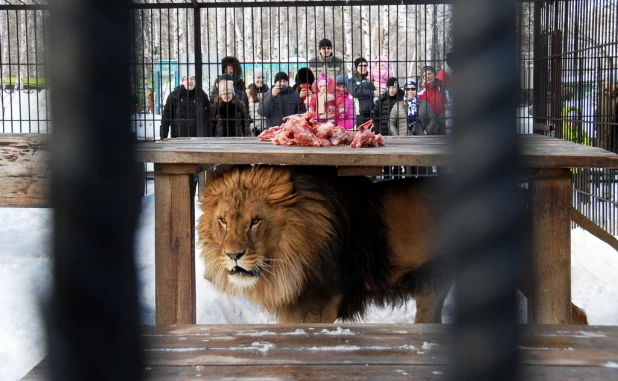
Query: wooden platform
[(382, 352)]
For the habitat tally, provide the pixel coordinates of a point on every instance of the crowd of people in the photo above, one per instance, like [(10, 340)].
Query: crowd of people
[(324, 87)]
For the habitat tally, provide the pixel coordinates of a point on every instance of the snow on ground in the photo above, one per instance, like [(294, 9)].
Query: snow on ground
[(25, 277)]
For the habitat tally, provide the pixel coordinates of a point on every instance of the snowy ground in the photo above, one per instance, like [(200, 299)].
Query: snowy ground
[(25, 277)]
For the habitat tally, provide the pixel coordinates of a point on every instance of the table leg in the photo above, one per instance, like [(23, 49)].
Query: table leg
[(549, 301), (174, 244)]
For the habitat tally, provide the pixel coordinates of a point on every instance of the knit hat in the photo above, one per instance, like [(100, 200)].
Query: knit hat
[(428, 68), (392, 81), (411, 83), (341, 79), (358, 61), (325, 42), (281, 75), (322, 80), (258, 73), (226, 86)]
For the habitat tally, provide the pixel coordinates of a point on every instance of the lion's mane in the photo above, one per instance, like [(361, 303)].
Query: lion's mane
[(320, 240)]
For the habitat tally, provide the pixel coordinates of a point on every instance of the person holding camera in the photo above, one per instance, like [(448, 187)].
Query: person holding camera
[(412, 116), (280, 102)]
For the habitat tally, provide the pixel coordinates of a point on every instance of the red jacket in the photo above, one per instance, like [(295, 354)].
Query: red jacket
[(434, 96)]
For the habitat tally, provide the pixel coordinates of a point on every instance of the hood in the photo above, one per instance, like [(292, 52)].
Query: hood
[(237, 68), (304, 75)]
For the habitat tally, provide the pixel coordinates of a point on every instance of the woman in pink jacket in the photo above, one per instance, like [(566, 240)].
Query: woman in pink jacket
[(346, 115)]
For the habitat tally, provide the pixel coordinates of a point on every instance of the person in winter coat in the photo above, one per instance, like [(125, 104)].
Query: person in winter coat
[(303, 82), (180, 112), (363, 90), (382, 109), (229, 113), (322, 102), (412, 116), (251, 99), (280, 102), (346, 115), (326, 62), (435, 93), (230, 66)]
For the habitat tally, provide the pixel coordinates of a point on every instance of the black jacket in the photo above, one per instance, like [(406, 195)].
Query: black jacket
[(180, 112), (382, 110), (287, 102), (362, 91)]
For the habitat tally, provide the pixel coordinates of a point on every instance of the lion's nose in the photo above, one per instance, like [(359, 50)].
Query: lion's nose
[(235, 255)]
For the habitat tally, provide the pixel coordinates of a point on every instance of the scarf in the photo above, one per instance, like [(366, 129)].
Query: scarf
[(412, 111)]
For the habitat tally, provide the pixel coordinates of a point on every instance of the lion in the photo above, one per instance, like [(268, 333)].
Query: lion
[(309, 246)]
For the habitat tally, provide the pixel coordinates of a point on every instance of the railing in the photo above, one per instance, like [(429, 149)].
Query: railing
[(566, 51)]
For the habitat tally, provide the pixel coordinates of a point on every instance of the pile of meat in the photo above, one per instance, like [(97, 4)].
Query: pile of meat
[(304, 130)]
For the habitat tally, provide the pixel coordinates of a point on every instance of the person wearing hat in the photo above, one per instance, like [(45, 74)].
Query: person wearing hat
[(436, 94), (326, 61), (412, 116), (251, 98), (302, 84), (382, 109), (280, 102), (230, 65), (346, 114), (229, 113), (180, 112), (363, 90)]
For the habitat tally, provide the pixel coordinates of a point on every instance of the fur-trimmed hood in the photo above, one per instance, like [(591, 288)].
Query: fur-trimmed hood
[(237, 68)]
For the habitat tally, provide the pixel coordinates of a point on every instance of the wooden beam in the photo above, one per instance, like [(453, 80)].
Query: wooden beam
[(174, 249), (551, 200)]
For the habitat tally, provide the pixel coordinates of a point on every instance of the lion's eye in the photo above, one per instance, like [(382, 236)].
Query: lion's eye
[(222, 221), (255, 221)]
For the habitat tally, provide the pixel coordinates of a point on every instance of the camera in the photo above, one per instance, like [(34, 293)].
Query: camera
[(282, 88)]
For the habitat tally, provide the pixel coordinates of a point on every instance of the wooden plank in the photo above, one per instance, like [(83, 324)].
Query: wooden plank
[(174, 250), (176, 169), (536, 152), (24, 170), (551, 194), (358, 352), (344, 372)]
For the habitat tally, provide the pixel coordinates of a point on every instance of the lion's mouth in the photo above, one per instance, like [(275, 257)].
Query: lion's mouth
[(237, 270)]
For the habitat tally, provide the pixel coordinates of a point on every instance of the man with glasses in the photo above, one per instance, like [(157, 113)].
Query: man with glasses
[(326, 62)]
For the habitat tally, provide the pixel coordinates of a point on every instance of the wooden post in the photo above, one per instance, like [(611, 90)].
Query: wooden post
[(174, 244), (549, 301)]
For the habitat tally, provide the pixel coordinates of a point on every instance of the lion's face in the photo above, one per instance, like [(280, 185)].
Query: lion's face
[(242, 229), (262, 234)]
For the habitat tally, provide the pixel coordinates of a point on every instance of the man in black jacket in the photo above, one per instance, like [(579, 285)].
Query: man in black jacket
[(280, 102), (180, 112)]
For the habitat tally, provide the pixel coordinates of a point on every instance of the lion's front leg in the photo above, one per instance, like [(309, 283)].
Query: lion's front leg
[(310, 313), (429, 303)]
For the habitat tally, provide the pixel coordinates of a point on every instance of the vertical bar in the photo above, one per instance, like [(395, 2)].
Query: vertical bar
[(483, 186), (197, 23), (92, 317)]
